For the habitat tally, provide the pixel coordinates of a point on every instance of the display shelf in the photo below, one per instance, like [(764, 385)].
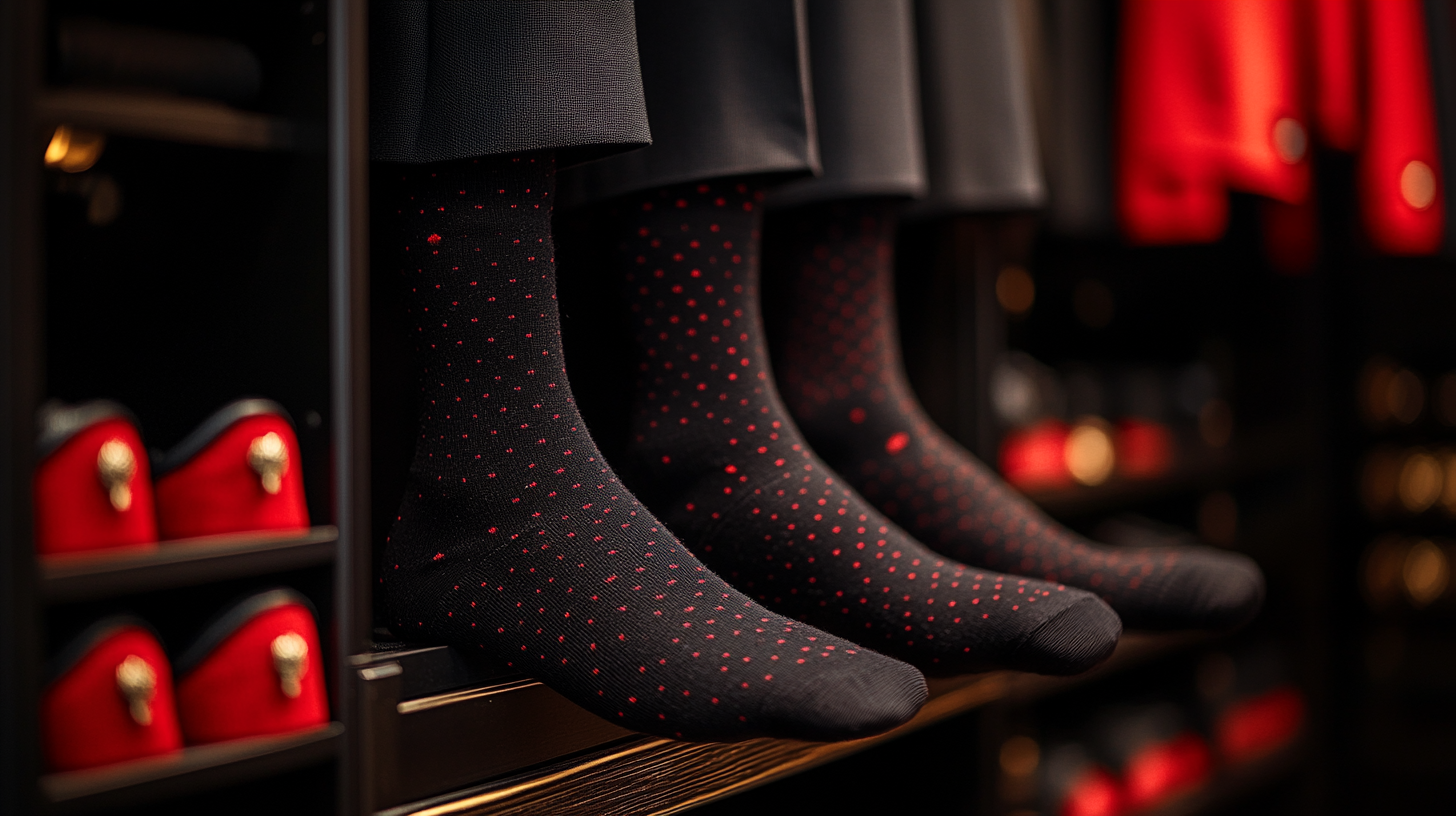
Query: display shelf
[(189, 771), (103, 574), (171, 118), (1198, 468), (1230, 786), (647, 775)]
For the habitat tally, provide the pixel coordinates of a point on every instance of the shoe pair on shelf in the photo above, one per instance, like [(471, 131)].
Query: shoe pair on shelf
[(96, 487), (112, 694)]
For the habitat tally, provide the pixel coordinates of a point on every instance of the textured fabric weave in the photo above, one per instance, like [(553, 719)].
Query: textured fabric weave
[(845, 382), (980, 137), (727, 87), (866, 102), (456, 80), (515, 538), (716, 455)]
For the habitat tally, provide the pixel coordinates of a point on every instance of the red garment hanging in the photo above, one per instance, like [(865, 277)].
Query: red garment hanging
[(1401, 195), (1210, 101), (1213, 99)]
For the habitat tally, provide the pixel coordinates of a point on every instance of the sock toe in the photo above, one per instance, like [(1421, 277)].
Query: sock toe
[(1218, 590), (1072, 641), (1206, 589), (856, 698)]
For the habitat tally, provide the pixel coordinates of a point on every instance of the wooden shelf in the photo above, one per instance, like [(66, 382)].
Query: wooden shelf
[(103, 574), (649, 775), (189, 771), (1199, 468), (171, 118)]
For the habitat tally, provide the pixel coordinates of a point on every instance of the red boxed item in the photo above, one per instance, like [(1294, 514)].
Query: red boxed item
[(1259, 724), (1035, 458), (1144, 448), (256, 670), (1165, 769), (238, 472), (1157, 754), (110, 699), (1074, 784), (93, 487)]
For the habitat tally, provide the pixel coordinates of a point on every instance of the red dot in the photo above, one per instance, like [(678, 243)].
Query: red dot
[(856, 415), (433, 239), (897, 442)]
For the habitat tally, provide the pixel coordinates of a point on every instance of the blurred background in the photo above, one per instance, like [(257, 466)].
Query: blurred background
[(1224, 313), (1278, 380)]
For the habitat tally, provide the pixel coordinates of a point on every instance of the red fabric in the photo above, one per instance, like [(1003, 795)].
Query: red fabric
[(1205, 84), (217, 491), (1166, 769), (1036, 457), (1251, 727), (1400, 128), (236, 691), (85, 720), (1335, 71), (1096, 793), (73, 510), (1144, 448)]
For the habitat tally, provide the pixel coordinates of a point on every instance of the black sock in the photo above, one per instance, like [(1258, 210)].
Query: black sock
[(845, 383), (715, 454), (515, 538)]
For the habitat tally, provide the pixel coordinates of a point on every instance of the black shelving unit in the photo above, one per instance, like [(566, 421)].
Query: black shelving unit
[(237, 265), (228, 266)]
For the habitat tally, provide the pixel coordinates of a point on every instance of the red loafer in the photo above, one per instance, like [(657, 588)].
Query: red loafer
[(256, 670), (238, 472), (93, 487), (110, 698)]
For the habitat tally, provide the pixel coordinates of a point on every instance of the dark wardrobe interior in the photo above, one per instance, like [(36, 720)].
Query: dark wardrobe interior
[(1163, 322)]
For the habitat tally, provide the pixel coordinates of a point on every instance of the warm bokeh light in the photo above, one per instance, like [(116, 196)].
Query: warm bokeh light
[(1381, 572), (1378, 480), (1290, 140), (1426, 573), (1418, 184), (74, 150), (1144, 448), (1020, 756), (1448, 479), (1089, 453), (1389, 393), (1405, 396), (1015, 290), (1419, 484)]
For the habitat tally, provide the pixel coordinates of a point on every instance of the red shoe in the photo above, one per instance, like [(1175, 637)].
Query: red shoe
[(238, 472), (257, 670), (93, 487), (111, 699)]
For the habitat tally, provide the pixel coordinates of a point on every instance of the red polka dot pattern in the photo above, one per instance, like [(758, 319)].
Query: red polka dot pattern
[(845, 383), (715, 453), (516, 539)]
